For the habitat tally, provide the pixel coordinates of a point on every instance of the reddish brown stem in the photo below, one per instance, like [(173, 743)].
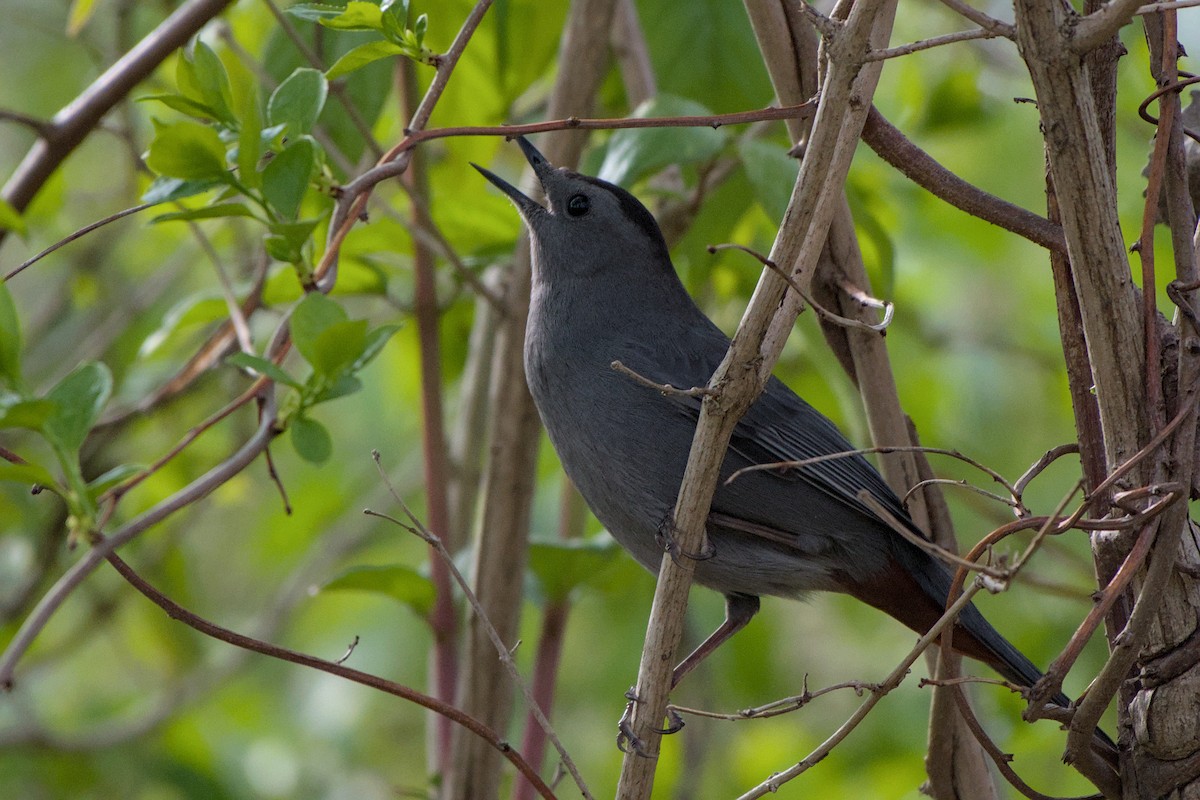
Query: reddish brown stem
[(571, 518), (442, 619), (192, 620)]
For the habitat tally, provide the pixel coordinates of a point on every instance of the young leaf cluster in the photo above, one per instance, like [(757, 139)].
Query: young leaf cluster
[(336, 348), (63, 417), (389, 19), (264, 163)]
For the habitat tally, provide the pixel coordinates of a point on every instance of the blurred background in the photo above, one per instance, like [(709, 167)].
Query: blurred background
[(115, 699)]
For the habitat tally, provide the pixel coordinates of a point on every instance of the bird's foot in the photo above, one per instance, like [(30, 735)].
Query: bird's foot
[(628, 741), (664, 537)]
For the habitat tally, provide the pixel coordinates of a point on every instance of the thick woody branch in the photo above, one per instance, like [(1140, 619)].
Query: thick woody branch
[(1098, 27), (743, 373), (922, 169), (1087, 201)]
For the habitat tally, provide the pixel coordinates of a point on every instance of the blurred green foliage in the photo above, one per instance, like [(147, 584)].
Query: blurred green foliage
[(116, 700)]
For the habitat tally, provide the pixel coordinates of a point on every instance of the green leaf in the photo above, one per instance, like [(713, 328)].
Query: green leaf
[(314, 12), (199, 308), (394, 19), (11, 219), (250, 124), (79, 398), (182, 104), (376, 339), (298, 101), (213, 82), (772, 173), (401, 583), (117, 475), (357, 16), (30, 414), (311, 439), (338, 346), (187, 82), (397, 10), (361, 56), (164, 189), (315, 314), (635, 152), (208, 212), (286, 240), (29, 473), (286, 177), (79, 15), (263, 366), (10, 339), (187, 150), (561, 566), (344, 385)]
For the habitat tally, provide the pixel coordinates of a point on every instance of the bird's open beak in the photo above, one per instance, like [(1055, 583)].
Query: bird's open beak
[(540, 168)]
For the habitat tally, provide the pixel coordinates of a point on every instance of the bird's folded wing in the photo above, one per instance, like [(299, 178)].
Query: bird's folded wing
[(782, 427)]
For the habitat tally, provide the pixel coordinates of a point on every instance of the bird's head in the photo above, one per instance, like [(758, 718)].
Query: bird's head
[(588, 226)]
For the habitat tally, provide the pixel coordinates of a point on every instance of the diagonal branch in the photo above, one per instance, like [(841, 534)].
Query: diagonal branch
[(74, 121), (192, 620), (1098, 27), (898, 150)]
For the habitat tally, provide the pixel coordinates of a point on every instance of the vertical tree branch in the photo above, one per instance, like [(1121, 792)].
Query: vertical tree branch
[(572, 516), (442, 618), (956, 764), (846, 97), (1166, 733), (508, 483), (1087, 201)]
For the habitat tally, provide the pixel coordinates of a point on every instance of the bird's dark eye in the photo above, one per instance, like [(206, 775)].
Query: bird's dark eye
[(578, 205)]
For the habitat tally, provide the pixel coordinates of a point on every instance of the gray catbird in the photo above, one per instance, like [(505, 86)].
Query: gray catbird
[(605, 290)]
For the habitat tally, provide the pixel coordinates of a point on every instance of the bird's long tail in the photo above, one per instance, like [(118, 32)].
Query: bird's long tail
[(913, 589)]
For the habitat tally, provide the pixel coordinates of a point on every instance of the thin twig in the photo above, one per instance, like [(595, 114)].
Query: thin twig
[(997, 574), (999, 758), (981, 19), (254, 390), (784, 705), (963, 484), (824, 313), (936, 41), (1101, 25), (237, 319), (430, 234), (1155, 8), (391, 165), (991, 473), (70, 580), (1048, 458), (918, 166), (418, 528), (336, 88), (893, 680), (86, 229), (39, 126), (352, 204), (76, 120), (664, 388), (192, 620)]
